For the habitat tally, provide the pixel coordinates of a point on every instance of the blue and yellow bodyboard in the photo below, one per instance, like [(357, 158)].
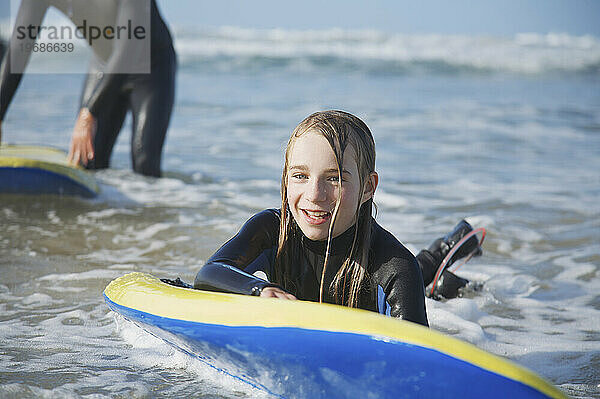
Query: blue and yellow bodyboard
[(309, 350), (42, 170)]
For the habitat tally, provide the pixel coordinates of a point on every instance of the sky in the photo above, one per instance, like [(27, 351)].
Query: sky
[(488, 17)]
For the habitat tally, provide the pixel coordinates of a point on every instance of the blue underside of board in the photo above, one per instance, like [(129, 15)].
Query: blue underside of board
[(23, 180)]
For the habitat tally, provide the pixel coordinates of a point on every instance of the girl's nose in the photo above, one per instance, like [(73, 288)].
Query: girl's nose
[(316, 191)]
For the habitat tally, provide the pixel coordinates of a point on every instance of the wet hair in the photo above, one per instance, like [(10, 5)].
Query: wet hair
[(340, 129)]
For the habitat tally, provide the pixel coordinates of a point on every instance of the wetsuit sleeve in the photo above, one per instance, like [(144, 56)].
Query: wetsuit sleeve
[(31, 13), (405, 293), (125, 52), (398, 278), (229, 268)]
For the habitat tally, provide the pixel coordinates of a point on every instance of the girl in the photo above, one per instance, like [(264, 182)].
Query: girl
[(323, 244)]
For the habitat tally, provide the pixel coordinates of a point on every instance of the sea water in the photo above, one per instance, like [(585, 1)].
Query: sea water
[(503, 131)]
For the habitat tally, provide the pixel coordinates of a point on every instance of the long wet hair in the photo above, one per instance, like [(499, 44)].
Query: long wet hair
[(340, 129)]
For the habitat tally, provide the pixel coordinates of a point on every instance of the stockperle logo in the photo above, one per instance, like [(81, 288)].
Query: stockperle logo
[(59, 36)]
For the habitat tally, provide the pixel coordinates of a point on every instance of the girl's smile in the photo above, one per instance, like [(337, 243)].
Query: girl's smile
[(316, 217)]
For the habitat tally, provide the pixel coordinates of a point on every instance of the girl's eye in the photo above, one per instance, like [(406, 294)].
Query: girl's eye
[(335, 179), (299, 176)]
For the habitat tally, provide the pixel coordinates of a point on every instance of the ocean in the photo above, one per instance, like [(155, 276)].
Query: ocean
[(503, 131)]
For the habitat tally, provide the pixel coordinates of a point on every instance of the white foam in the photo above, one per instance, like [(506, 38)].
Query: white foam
[(126, 254), (149, 352), (37, 299), (459, 316), (132, 234), (53, 218), (523, 53), (87, 275), (110, 212), (573, 270), (389, 200), (122, 266)]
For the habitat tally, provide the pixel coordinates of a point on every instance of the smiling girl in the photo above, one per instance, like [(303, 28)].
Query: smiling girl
[(323, 244)]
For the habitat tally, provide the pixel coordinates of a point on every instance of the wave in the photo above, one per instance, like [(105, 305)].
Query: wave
[(232, 48)]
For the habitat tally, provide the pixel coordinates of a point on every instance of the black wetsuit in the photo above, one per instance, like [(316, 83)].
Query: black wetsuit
[(109, 94), (395, 285)]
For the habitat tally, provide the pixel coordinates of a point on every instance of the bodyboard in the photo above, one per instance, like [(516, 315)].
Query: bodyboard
[(42, 170), (308, 350)]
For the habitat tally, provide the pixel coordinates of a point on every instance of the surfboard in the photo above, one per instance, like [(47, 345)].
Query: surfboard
[(303, 349), (42, 170)]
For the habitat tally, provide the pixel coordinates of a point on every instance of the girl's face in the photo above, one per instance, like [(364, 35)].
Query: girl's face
[(312, 186)]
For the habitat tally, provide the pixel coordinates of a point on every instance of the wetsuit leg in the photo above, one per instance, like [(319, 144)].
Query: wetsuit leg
[(109, 121), (429, 260), (151, 102)]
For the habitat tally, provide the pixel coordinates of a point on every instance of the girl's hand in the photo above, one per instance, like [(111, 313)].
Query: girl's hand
[(274, 292), (82, 148)]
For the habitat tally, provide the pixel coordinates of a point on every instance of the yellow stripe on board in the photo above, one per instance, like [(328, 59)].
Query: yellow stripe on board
[(48, 159), (148, 294)]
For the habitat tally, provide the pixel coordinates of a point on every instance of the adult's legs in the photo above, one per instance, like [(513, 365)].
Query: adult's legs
[(151, 102), (109, 120)]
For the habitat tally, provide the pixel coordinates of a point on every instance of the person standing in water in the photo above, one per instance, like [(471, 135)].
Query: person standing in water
[(108, 93), (323, 244)]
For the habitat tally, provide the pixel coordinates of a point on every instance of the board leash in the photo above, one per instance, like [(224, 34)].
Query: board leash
[(446, 260)]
